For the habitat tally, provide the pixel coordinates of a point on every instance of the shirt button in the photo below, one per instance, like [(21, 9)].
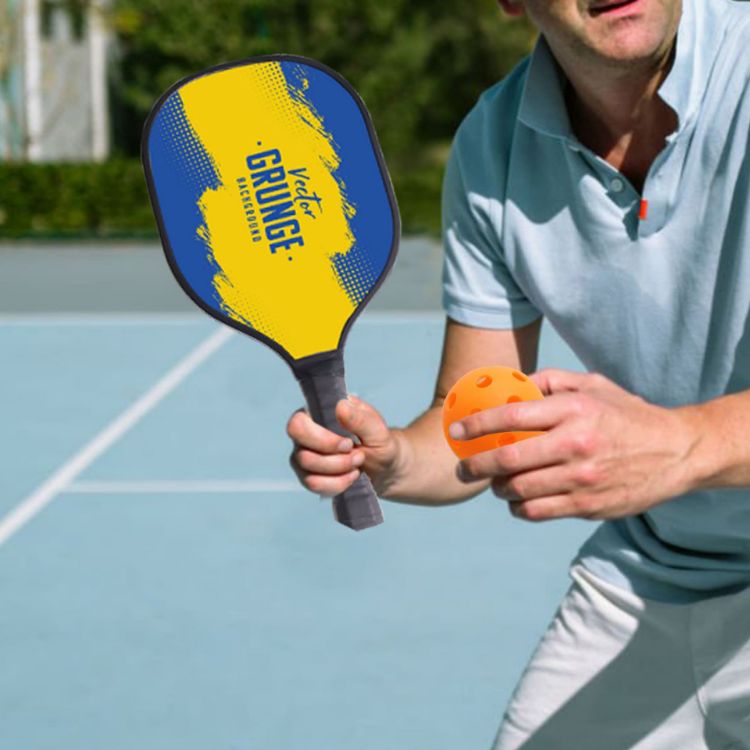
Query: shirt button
[(616, 185)]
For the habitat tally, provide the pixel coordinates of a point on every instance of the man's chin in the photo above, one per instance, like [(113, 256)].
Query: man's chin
[(624, 53)]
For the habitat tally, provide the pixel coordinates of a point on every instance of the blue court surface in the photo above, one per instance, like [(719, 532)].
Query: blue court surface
[(166, 583)]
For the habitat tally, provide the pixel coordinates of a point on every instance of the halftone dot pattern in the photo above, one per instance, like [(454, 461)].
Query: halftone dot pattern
[(197, 168), (258, 322), (275, 89), (355, 274), (192, 165), (184, 148), (353, 269)]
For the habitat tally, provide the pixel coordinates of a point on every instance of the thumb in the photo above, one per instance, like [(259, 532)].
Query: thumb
[(551, 380), (362, 420)]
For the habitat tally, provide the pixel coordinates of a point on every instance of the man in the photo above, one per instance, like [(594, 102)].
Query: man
[(604, 184)]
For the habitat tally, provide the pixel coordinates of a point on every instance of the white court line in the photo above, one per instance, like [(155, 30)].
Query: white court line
[(48, 490), (103, 319), (159, 486)]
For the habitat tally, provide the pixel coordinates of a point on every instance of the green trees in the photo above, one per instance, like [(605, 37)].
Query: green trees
[(419, 65)]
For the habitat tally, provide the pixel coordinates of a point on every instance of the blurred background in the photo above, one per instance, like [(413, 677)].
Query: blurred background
[(78, 77), (165, 582)]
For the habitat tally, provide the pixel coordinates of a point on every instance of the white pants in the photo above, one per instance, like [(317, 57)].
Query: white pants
[(615, 671)]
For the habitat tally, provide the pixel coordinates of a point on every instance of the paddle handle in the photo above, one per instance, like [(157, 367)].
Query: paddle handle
[(324, 386)]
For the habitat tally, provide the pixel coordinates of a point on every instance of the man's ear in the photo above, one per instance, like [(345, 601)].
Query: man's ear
[(512, 7)]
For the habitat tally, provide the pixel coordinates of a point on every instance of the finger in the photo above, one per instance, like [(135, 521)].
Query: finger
[(362, 420), (544, 509), (330, 465), (532, 453), (330, 486), (553, 380), (520, 416), (555, 480), (308, 434)]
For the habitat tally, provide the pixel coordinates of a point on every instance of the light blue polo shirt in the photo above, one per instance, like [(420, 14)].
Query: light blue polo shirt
[(535, 224)]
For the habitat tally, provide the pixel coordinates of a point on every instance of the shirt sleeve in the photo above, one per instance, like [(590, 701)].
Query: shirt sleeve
[(478, 287)]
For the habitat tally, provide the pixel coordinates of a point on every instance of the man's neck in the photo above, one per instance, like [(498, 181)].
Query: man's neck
[(620, 116)]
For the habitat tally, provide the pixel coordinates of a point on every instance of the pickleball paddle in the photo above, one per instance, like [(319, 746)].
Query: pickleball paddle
[(277, 217)]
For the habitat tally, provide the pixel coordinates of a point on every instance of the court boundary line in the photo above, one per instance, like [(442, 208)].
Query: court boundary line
[(180, 486), (46, 492)]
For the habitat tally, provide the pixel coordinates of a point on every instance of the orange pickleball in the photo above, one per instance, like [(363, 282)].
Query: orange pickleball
[(486, 388)]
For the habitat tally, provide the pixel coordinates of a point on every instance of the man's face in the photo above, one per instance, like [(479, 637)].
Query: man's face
[(615, 33)]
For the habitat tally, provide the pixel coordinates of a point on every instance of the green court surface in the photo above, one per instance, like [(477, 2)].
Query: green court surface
[(166, 583)]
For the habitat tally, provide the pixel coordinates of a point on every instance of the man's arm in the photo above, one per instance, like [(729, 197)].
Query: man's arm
[(721, 457), (427, 466)]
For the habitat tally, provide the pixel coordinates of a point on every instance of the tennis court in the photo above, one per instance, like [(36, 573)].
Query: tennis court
[(166, 583)]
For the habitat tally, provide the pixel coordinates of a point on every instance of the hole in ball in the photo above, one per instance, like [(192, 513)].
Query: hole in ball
[(483, 381), (451, 400)]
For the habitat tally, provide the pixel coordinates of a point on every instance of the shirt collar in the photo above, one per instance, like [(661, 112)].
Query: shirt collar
[(699, 37)]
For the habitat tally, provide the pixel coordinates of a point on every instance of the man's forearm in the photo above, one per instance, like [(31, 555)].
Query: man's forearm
[(721, 455), (427, 466)]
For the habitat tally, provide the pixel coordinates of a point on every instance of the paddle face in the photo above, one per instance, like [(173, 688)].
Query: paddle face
[(273, 201)]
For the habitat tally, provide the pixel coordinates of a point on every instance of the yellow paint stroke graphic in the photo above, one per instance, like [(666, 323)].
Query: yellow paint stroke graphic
[(299, 303)]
